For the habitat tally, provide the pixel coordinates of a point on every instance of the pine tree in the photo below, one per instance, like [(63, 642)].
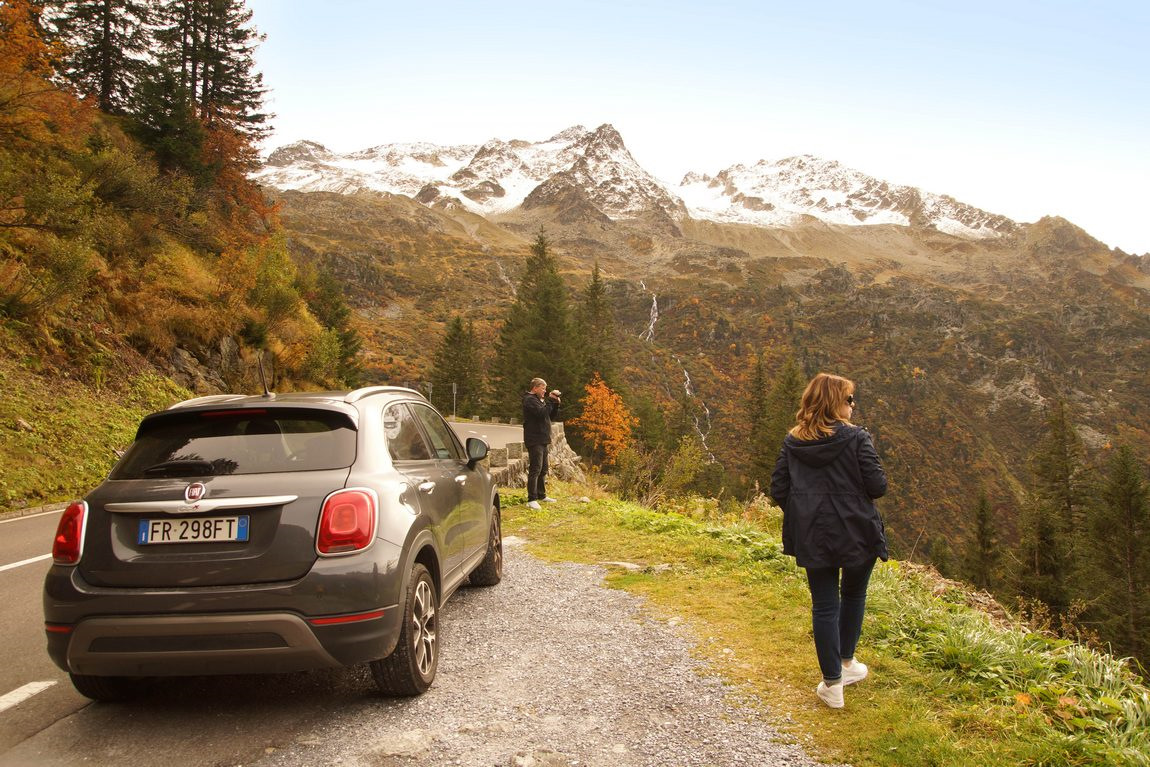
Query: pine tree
[(456, 363), (980, 559), (778, 416), (165, 121), (1040, 568), (1058, 469), (605, 422), (1058, 508), (210, 46), (595, 328), (763, 454), (1119, 550), (200, 104), (330, 307), (535, 339), (108, 42)]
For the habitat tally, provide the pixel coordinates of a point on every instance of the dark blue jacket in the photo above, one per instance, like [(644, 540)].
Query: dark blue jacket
[(826, 489), (537, 415)]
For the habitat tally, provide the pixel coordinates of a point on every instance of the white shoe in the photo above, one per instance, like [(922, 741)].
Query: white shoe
[(548, 499), (534, 505), (832, 695), (856, 672)]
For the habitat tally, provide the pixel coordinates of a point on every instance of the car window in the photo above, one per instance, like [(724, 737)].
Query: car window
[(239, 442), (404, 441), (443, 441)]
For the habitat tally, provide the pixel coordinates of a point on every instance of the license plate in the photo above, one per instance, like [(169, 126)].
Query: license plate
[(200, 530)]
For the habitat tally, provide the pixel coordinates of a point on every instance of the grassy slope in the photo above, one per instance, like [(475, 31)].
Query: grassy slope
[(950, 685), (59, 434)]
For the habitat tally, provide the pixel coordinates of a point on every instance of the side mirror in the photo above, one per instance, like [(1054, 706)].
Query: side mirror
[(476, 450)]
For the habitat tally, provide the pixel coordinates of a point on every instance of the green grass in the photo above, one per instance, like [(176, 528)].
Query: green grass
[(58, 435), (950, 685)]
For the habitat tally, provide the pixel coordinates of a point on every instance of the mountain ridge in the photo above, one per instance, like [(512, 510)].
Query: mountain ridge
[(593, 174)]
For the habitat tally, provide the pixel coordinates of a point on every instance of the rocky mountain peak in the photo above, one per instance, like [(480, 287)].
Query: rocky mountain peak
[(300, 151), (570, 135), (606, 137), (780, 193)]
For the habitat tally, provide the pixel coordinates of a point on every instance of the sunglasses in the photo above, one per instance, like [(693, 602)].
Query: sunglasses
[(851, 400)]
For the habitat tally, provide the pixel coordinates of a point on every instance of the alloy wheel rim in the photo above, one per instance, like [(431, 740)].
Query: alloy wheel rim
[(423, 619), (497, 544)]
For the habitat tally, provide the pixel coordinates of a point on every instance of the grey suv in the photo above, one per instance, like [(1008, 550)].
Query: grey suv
[(252, 534)]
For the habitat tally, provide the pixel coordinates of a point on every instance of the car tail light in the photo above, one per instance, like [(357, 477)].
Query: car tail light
[(347, 522), (69, 542)]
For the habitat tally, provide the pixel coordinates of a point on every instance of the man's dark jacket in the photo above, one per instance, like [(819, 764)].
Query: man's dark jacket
[(537, 415), (826, 489)]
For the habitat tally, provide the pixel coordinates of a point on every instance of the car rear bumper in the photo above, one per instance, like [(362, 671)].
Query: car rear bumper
[(167, 645), (343, 612)]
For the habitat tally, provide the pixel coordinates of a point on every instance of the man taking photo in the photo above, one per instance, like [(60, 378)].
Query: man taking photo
[(539, 407)]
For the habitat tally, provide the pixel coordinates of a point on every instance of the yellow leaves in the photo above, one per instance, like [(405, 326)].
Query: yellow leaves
[(32, 108)]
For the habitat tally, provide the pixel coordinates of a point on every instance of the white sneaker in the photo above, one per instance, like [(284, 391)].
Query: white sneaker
[(856, 672), (534, 505), (832, 695), (548, 499)]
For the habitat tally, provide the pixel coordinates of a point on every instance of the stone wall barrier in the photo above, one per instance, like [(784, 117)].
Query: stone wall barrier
[(497, 456)]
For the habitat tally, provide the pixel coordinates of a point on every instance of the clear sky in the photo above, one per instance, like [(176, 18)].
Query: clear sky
[(1021, 107)]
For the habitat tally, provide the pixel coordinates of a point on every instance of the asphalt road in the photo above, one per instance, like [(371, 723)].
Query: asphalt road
[(231, 720), (495, 434)]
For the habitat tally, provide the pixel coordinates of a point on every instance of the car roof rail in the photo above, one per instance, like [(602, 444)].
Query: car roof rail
[(208, 400), (367, 391)]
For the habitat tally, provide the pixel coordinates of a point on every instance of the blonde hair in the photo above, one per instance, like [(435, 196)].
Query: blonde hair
[(823, 400)]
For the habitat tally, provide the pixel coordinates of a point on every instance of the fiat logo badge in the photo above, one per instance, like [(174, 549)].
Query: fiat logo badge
[(195, 492)]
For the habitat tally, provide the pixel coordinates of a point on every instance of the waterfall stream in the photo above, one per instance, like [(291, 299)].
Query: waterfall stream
[(649, 335), (706, 410)]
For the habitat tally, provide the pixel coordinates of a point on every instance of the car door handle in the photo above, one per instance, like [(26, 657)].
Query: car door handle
[(461, 479), (427, 487)]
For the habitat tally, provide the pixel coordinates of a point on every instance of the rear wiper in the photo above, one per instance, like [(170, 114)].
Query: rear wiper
[(181, 468)]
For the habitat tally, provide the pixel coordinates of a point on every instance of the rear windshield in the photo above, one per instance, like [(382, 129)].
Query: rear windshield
[(239, 442)]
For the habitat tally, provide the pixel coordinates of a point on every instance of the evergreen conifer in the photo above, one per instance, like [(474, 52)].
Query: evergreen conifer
[(456, 363), (1119, 552), (107, 43), (535, 339)]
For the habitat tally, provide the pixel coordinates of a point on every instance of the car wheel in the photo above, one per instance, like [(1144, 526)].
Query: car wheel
[(107, 688), (410, 669), (490, 570)]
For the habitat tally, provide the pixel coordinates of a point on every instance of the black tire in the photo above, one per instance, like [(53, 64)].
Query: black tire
[(410, 669), (490, 570), (112, 689)]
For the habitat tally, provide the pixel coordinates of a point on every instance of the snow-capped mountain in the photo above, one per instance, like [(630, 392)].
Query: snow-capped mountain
[(779, 193), (492, 178), (584, 172)]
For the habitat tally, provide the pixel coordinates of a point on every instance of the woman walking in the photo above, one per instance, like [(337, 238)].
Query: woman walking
[(825, 481)]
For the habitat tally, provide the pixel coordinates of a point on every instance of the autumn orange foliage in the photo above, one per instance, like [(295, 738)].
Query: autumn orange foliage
[(606, 424), (32, 109)]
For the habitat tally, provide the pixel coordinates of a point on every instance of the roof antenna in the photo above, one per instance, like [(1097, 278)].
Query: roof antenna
[(268, 393)]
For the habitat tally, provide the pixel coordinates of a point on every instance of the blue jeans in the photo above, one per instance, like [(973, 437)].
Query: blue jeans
[(837, 614), (536, 472)]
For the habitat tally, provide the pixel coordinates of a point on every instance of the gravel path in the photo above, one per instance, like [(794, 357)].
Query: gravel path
[(551, 668)]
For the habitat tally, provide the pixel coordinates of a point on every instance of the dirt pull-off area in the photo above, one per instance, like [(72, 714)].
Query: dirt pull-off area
[(551, 668)]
